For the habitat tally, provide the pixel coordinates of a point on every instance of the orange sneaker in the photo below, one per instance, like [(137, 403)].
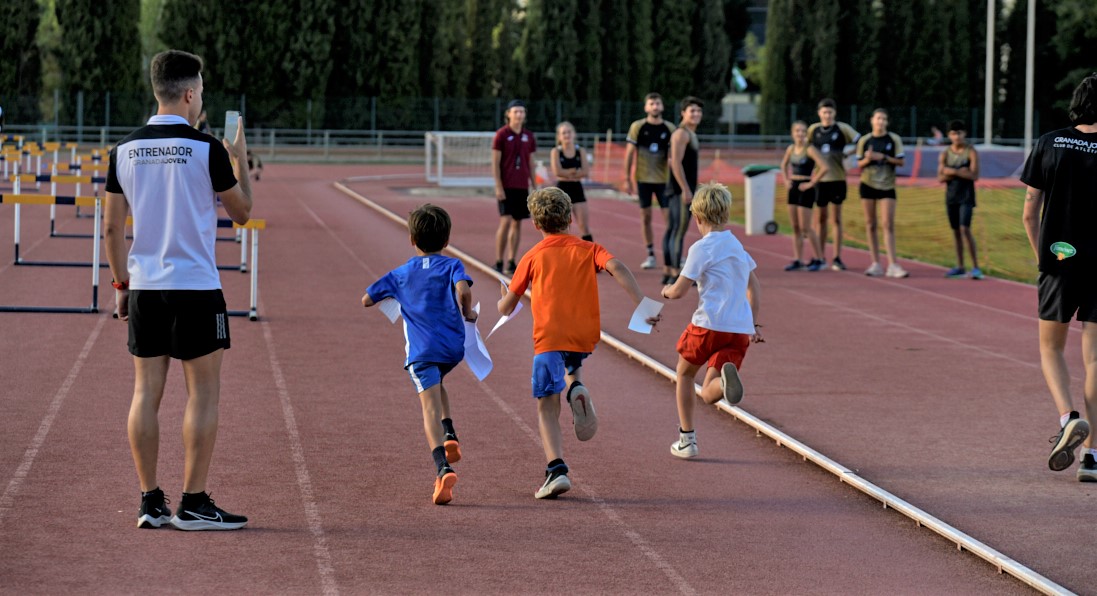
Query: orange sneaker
[(453, 448), (443, 486)]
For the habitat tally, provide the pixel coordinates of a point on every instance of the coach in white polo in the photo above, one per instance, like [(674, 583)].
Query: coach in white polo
[(168, 288)]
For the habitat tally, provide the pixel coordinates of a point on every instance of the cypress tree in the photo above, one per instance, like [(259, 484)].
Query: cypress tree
[(588, 25), (641, 48), (712, 47), (100, 51), (21, 69), (616, 81)]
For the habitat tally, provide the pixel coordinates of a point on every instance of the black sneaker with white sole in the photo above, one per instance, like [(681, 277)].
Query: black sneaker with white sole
[(1069, 438), (1087, 472), (154, 511), (556, 483), (198, 512)]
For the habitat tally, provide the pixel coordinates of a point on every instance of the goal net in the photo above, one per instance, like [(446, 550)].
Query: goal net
[(459, 158)]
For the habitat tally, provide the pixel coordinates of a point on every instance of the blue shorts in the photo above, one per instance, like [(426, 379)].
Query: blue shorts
[(428, 374), (549, 369)]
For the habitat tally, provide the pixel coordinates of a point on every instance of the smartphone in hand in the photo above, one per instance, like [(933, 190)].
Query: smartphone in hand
[(232, 122)]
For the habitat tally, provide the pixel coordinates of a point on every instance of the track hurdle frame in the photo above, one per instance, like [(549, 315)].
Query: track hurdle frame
[(95, 202)]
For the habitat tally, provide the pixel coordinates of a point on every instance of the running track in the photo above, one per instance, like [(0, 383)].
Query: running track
[(927, 387)]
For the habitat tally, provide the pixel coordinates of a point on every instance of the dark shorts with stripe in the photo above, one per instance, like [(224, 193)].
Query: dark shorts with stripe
[(183, 324)]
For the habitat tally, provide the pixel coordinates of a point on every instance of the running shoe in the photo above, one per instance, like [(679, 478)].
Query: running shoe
[(511, 267), (957, 272), (649, 263), (1069, 438), (582, 412), (686, 445), (794, 266), (556, 484), (875, 270), (730, 383), (443, 486), (1087, 472), (154, 511), (198, 512), (816, 265), (666, 280), (976, 273), (453, 448), (499, 266), (895, 270), (837, 264)]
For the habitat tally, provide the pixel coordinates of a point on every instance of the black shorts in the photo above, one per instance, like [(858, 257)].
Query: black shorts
[(831, 192), (514, 203), (1062, 296), (646, 190), (802, 198), (874, 194), (959, 214), (574, 190), (183, 324)]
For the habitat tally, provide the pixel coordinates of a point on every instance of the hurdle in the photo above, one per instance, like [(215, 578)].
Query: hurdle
[(96, 202)]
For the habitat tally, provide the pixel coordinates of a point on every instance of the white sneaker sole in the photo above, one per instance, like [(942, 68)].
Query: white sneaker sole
[(148, 521), (687, 453), (1062, 455), (554, 489), (730, 383), (582, 412), (202, 524)]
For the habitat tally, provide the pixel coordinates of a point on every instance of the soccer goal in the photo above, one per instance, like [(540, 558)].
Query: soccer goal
[(459, 158)]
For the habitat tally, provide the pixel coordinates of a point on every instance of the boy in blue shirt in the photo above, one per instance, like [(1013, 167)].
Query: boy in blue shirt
[(435, 300)]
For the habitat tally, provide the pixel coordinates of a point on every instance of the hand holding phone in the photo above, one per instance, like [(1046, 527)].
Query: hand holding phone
[(232, 123)]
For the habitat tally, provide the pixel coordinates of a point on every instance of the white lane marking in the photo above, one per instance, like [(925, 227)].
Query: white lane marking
[(304, 482), (338, 240), (7, 500)]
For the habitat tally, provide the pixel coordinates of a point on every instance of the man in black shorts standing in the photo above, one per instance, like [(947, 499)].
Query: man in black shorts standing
[(649, 147), (511, 151), (167, 287), (1061, 222), (834, 140)]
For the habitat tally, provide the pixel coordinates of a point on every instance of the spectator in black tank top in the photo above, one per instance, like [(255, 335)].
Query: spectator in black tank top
[(958, 168), (569, 169), (684, 150), (1060, 217), (802, 168)]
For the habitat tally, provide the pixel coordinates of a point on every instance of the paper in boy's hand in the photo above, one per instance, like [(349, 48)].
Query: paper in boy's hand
[(391, 308), (476, 354), (647, 309), (505, 318)]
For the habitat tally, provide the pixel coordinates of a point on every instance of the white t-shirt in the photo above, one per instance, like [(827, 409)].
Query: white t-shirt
[(721, 268), (170, 174)]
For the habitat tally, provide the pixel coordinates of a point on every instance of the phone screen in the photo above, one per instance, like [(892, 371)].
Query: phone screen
[(232, 122)]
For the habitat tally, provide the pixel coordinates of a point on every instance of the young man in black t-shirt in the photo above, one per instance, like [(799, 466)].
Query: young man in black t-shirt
[(1061, 222)]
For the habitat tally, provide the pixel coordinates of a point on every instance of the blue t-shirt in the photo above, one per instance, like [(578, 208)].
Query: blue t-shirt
[(433, 324)]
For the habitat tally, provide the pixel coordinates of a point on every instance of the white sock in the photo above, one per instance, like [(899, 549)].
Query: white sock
[(1063, 420)]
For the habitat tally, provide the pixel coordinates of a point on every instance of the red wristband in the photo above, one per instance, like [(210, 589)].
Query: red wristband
[(120, 285)]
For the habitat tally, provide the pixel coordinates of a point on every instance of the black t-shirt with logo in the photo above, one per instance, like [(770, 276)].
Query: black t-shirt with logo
[(1063, 164)]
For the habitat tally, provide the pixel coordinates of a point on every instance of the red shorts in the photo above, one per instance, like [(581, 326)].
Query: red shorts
[(698, 345)]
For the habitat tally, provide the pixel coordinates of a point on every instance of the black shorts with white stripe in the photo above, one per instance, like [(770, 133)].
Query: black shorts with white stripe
[(183, 324)]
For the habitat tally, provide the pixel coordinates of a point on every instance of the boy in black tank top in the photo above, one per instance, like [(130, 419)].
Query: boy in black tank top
[(958, 168), (569, 169), (684, 153)]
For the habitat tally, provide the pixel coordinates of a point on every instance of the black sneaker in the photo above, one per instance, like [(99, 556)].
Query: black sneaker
[(511, 267), (1087, 472), (499, 266), (556, 483), (154, 511), (1069, 438), (837, 264), (200, 513), (794, 266)]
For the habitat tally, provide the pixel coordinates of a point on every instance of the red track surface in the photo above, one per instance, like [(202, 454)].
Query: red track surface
[(927, 387)]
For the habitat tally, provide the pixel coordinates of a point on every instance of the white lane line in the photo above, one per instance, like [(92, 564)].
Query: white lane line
[(7, 500), (633, 536), (304, 481), (847, 476), (338, 240)]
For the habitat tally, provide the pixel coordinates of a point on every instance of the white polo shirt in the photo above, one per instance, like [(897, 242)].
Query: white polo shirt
[(170, 174), (721, 267)]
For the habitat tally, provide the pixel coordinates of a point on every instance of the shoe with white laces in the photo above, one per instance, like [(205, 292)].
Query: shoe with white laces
[(875, 270), (649, 263), (895, 270), (686, 445)]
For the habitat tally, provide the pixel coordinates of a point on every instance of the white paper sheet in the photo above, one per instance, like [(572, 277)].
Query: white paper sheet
[(505, 318), (391, 308), (648, 308), (476, 353)]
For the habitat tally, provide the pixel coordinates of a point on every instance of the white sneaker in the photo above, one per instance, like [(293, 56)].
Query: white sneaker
[(582, 412), (875, 270), (649, 263), (730, 383), (686, 445), (894, 270), (555, 484)]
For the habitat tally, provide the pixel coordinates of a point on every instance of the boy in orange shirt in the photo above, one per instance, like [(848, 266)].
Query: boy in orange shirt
[(562, 270)]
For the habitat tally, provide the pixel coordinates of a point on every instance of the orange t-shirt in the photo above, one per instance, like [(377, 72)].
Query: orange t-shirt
[(563, 271)]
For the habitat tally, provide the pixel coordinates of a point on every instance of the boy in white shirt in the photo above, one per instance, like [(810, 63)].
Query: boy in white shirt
[(724, 324)]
